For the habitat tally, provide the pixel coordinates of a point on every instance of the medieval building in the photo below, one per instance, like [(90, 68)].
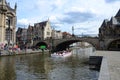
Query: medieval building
[(21, 37), (30, 36), (7, 23), (110, 29), (42, 30)]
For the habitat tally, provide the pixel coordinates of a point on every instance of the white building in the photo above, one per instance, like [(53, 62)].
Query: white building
[(42, 30), (57, 34)]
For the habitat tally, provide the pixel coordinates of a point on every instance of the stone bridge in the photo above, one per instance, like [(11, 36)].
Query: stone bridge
[(61, 44), (113, 42)]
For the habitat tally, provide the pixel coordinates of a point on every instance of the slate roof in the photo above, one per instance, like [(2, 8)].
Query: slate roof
[(115, 21), (118, 14), (105, 23), (30, 28), (41, 24)]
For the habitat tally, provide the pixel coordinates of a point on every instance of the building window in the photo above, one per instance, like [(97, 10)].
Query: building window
[(9, 34), (48, 29), (48, 33)]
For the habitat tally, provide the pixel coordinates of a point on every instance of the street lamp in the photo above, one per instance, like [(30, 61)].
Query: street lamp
[(72, 30)]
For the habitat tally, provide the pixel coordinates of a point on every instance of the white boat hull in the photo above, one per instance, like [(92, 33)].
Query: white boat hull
[(61, 55)]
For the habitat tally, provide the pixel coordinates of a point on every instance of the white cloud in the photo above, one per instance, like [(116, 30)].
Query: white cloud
[(26, 21), (59, 3), (30, 12), (23, 21)]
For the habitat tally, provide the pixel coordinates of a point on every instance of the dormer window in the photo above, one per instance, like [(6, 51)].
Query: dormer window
[(48, 28)]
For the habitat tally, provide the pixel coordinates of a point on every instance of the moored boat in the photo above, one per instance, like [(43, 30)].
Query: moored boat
[(61, 54)]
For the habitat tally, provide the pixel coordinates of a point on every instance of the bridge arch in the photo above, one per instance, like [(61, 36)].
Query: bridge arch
[(65, 44), (114, 44), (41, 44)]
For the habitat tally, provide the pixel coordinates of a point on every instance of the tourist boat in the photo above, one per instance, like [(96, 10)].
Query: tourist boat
[(61, 54)]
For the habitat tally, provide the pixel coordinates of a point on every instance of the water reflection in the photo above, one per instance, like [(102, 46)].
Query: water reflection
[(7, 69), (42, 67), (33, 67)]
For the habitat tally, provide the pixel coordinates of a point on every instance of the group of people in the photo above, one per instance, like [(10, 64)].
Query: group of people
[(9, 48), (62, 52)]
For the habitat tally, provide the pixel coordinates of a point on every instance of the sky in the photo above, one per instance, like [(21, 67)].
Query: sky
[(86, 16)]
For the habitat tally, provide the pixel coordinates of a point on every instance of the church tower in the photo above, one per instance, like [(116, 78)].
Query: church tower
[(7, 23)]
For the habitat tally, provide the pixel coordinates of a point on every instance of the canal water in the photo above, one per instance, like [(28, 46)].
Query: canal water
[(43, 67)]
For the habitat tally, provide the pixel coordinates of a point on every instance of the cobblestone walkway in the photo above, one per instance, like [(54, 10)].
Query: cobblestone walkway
[(113, 61)]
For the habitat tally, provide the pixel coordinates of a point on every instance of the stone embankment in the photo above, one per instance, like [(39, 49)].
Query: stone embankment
[(27, 51), (110, 67)]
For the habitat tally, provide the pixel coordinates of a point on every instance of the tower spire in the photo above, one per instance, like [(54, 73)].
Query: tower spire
[(15, 7)]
